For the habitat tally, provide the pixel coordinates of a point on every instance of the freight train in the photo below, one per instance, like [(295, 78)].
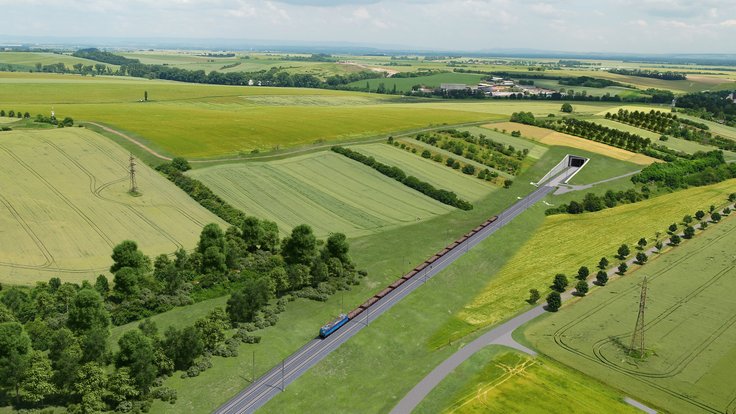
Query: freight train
[(333, 326)]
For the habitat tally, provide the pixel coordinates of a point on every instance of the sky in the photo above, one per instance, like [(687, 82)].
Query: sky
[(628, 26)]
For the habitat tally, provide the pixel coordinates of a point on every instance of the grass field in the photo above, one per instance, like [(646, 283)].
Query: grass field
[(549, 137), (601, 233), (29, 59), (329, 192), (612, 90), (535, 149), (500, 380), (430, 81), (207, 121), (690, 328), (466, 186), (66, 205)]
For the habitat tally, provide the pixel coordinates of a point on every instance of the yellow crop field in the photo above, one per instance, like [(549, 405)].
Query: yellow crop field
[(65, 204)]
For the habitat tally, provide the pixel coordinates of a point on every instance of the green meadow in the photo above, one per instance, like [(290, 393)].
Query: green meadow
[(429, 81)]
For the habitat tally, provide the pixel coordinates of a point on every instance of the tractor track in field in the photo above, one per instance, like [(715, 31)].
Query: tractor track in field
[(645, 378)]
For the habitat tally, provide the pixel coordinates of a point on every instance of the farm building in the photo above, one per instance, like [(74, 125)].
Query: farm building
[(453, 86)]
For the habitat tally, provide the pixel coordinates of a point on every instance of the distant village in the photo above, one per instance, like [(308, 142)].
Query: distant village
[(495, 87)]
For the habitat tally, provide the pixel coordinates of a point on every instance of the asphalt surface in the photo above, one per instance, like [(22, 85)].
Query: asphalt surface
[(275, 380)]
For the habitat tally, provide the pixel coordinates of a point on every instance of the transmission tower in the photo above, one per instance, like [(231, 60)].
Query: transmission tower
[(133, 184), (637, 339)]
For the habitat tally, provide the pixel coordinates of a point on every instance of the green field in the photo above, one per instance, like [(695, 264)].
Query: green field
[(690, 328), (65, 206), (466, 186), (612, 90), (601, 233), (29, 59), (329, 192), (208, 121), (430, 81), (536, 150), (500, 380)]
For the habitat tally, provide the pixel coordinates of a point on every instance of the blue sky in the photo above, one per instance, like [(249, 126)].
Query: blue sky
[(637, 26)]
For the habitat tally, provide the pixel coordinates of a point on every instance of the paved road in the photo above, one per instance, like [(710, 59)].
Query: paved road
[(275, 380)]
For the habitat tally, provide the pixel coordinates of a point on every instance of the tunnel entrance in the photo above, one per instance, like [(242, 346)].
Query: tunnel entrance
[(574, 161)]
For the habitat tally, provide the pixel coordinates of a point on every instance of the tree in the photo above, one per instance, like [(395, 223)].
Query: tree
[(581, 288), (246, 302), (181, 164), (212, 328), (533, 296), (126, 254), (89, 386), (675, 240), (641, 258), (120, 387), (214, 260), (703, 225), (715, 217), (732, 197), (66, 355), (672, 228), (623, 251), (86, 312), (37, 385), (14, 348), (659, 246), (125, 282), (270, 240), (642, 243), (689, 232), (687, 219), (603, 263), (145, 96), (507, 183), (102, 286), (622, 268), (554, 301), (699, 214), (583, 273), (183, 347), (252, 233), (601, 277), (566, 107), (560, 282), (137, 353), (211, 236), (337, 246), (301, 246)]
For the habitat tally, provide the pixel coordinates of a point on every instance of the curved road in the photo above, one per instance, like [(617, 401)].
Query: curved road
[(275, 380)]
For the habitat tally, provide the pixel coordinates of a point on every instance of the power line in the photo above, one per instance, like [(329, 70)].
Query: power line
[(133, 184), (637, 339)]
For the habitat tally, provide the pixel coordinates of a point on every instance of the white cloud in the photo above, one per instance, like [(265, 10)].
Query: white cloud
[(729, 23)]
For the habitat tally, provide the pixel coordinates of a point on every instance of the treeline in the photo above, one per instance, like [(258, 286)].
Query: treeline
[(314, 57), (704, 168), (480, 149), (174, 171), (54, 337), (710, 105), (65, 122), (669, 124), (443, 196), (592, 202), (644, 73), (588, 82), (104, 57)]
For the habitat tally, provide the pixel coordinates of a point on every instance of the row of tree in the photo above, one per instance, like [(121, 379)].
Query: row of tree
[(656, 74), (710, 105), (441, 195), (592, 202), (560, 281), (479, 149), (669, 124)]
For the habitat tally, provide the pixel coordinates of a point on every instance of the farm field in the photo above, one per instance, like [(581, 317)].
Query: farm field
[(627, 128), (501, 380), (601, 232), (612, 90), (549, 137), (689, 328), (66, 206), (430, 81), (187, 120), (466, 186), (329, 192)]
